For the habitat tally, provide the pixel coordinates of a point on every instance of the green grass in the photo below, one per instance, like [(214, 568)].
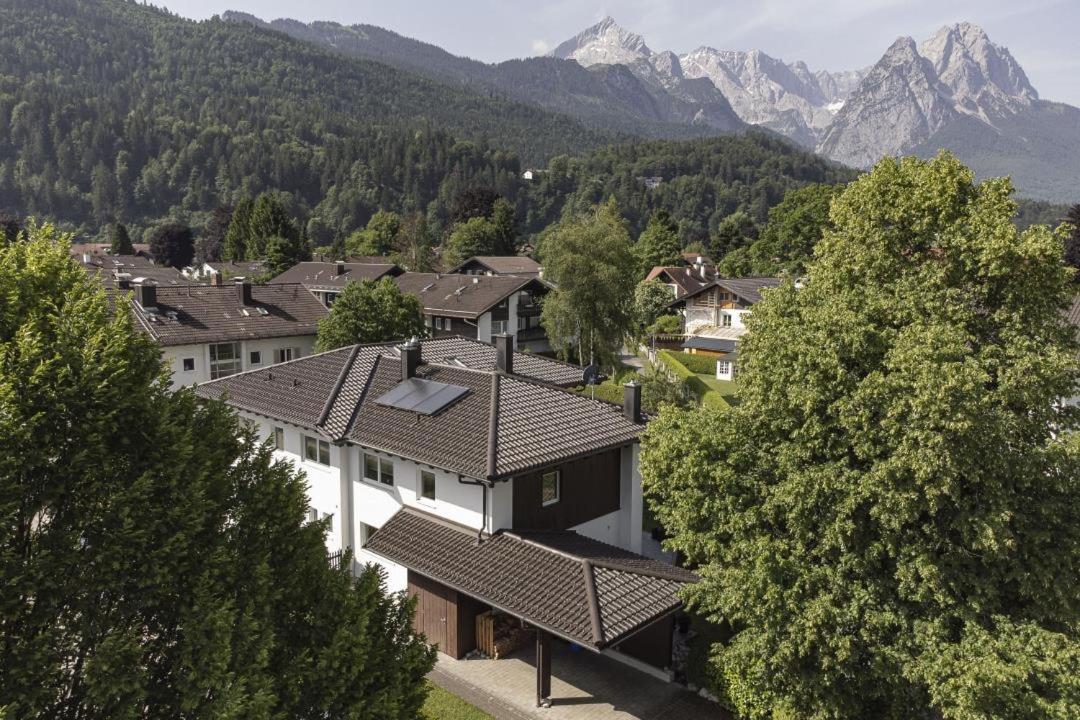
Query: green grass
[(700, 384), (726, 388), (442, 705)]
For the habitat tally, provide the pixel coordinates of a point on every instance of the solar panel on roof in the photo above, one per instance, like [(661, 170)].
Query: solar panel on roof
[(426, 397)]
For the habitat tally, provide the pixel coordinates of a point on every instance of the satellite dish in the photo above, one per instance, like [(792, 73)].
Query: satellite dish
[(591, 375)]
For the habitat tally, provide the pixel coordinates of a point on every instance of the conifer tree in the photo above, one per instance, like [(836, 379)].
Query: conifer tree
[(237, 238), (120, 241)]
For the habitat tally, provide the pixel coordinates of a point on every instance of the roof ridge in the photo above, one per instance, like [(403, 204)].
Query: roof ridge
[(592, 597), (333, 396), (662, 574), (363, 396), (271, 368), (551, 386), (493, 427)]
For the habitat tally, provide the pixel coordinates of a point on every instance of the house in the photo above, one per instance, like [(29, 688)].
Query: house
[(714, 317), (684, 279), (530, 174), (217, 273), (651, 182), (113, 269), (78, 250), (208, 332), (518, 265), (480, 306), (326, 280), (480, 487)]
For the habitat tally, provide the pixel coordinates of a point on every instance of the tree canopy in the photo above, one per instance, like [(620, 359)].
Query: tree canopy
[(172, 244), (658, 243), (370, 311), (889, 520), (588, 259), (377, 238), (152, 552), (120, 241)]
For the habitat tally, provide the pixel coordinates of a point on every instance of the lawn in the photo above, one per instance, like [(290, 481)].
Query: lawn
[(726, 388), (442, 705)]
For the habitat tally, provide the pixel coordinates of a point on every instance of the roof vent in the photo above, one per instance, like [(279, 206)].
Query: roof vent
[(476, 280), (460, 290)]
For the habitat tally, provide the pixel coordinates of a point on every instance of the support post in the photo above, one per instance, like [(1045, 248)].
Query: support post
[(543, 668)]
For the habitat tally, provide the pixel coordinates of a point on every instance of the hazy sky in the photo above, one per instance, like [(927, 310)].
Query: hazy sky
[(829, 34)]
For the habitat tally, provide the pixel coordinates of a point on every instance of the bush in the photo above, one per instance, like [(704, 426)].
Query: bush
[(703, 364), (707, 396)]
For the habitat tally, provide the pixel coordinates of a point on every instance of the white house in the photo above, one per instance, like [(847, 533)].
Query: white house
[(479, 485), (208, 332)]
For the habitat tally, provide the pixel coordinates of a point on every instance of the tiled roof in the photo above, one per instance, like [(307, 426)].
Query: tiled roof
[(202, 313), (239, 268), (162, 275), (1072, 314), (464, 296), (685, 279), (504, 264), (749, 289), (504, 425), (580, 589), (325, 275), (481, 356), (78, 249)]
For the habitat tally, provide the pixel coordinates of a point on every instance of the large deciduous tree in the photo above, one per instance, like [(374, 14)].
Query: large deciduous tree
[(172, 244), (889, 521), (154, 558), (588, 259), (377, 238), (370, 311)]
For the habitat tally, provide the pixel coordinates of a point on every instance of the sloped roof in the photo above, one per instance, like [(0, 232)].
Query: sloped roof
[(325, 275), (585, 591), (482, 356), (503, 264), (749, 289), (463, 296), (685, 279), (203, 313), (1072, 314), (504, 425), (238, 268)]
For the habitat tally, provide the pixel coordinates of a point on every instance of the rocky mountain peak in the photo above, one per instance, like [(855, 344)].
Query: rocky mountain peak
[(605, 43)]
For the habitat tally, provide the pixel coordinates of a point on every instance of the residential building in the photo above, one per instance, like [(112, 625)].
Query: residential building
[(685, 279), (326, 280), (715, 318), (207, 332), (114, 269), (481, 306), (78, 250), (479, 486), (518, 265), (218, 273)]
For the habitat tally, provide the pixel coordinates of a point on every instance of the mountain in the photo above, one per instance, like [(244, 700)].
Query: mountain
[(956, 90), (607, 96)]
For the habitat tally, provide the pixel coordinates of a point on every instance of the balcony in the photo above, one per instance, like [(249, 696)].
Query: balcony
[(531, 309)]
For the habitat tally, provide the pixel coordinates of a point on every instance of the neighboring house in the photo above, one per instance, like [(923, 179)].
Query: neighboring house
[(651, 182), (479, 487), (207, 332), (530, 174), (326, 280), (500, 265), (114, 269), (684, 279), (79, 249), (218, 273), (715, 318), (480, 306)]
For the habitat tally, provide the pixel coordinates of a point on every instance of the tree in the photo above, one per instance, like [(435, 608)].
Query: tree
[(1072, 241), (120, 241), (795, 226), (476, 202), (735, 231), (889, 521), (658, 244), (10, 228), (370, 311), (282, 253), (588, 260), (238, 236), (377, 238), (152, 552), (211, 243), (652, 299), (505, 225), (477, 236), (172, 244), (269, 218), (412, 246)]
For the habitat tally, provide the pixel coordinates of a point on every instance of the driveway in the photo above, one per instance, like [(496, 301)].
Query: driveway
[(584, 686)]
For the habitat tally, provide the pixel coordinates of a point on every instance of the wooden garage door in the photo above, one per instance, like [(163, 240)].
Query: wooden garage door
[(435, 612)]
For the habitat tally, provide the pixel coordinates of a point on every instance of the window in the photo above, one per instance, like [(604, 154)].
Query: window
[(378, 470), (723, 367), (498, 327), (427, 485), (549, 487), (427, 321), (279, 438), (725, 320), (366, 531), (224, 360), (438, 324), (286, 354), (256, 357), (312, 514), (189, 364), (316, 450)]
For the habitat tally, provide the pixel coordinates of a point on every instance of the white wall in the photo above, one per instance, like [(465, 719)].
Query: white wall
[(483, 328), (606, 528), (174, 355), (501, 506)]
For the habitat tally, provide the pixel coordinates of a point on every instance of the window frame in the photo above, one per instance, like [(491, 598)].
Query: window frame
[(558, 487), (421, 496), (218, 365), (378, 464), (279, 438), (188, 364), (319, 445), (255, 357), (499, 327)]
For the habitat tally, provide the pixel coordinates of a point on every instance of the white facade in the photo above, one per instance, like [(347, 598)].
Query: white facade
[(342, 483), (190, 364)]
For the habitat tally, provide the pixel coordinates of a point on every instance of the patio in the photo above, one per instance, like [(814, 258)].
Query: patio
[(584, 686)]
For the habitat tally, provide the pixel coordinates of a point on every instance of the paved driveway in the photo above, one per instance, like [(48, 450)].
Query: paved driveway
[(584, 686)]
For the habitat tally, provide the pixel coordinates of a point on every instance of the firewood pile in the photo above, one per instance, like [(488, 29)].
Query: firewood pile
[(498, 635)]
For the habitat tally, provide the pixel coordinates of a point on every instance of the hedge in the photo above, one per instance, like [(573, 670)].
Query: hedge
[(708, 396), (701, 364)]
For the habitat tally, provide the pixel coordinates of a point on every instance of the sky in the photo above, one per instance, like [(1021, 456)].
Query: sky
[(826, 34)]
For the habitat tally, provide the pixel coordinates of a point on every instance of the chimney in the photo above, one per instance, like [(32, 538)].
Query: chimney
[(87, 258), (123, 281), (339, 267), (218, 278), (146, 294), (504, 353), (243, 291), (410, 358), (632, 401)]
